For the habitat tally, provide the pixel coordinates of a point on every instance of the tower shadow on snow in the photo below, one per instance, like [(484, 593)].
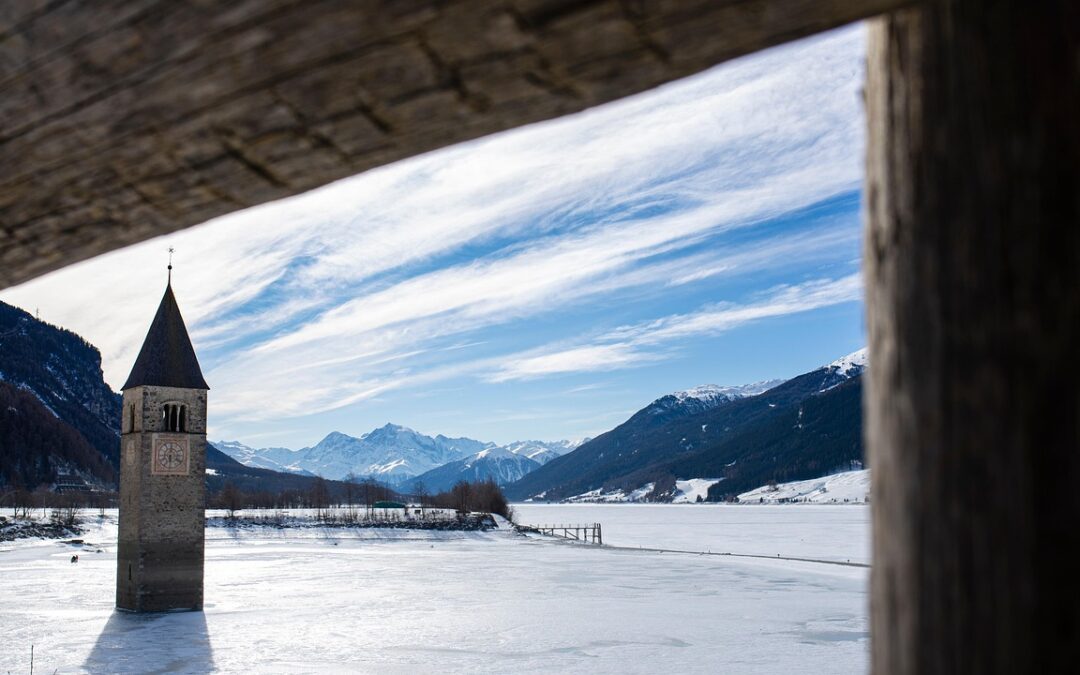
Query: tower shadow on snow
[(168, 642)]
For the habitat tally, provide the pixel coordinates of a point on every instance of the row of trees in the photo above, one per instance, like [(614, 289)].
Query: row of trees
[(483, 496), (62, 509), (322, 494), (463, 497), (23, 502)]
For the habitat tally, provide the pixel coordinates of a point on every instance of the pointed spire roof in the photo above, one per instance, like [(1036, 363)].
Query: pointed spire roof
[(167, 358)]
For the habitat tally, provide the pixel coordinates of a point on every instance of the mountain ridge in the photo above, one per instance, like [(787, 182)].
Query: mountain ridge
[(663, 443), (393, 453), (497, 463)]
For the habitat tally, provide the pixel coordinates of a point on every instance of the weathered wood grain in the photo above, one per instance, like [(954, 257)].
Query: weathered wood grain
[(972, 262), (121, 120)]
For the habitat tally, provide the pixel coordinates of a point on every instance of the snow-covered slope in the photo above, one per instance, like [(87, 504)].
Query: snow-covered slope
[(693, 490), (275, 459), (602, 496), (848, 487), (498, 464), (851, 365), (704, 397), (543, 451), (713, 393)]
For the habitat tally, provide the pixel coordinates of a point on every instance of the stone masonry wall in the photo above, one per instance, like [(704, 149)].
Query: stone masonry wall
[(162, 517)]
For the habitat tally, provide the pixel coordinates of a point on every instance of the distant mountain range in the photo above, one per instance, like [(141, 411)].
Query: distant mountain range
[(397, 455), (802, 428), (59, 417)]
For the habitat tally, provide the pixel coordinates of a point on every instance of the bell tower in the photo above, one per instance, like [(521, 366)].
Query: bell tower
[(159, 562)]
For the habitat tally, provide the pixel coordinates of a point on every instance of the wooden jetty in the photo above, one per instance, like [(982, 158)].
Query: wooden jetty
[(591, 533)]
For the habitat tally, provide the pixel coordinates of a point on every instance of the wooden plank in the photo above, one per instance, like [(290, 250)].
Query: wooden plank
[(972, 261), (124, 120)]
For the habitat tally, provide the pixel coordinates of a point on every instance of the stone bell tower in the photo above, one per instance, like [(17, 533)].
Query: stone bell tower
[(159, 562)]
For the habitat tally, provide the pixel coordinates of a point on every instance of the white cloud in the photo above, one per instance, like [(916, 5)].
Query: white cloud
[(349, 291), (574, 360), (636, 344)]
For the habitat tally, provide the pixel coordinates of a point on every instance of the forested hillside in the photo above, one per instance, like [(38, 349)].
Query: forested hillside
[(801, 428), (34, 444), (64, 372)]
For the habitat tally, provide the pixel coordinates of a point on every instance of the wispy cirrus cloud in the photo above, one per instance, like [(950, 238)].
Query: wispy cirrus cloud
[(476, 261), (636, 344)]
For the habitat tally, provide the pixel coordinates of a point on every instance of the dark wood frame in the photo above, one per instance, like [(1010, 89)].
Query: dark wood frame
[(972, 255)]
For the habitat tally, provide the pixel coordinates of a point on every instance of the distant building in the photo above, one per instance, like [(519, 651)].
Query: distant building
[(388, 505), (71, 483)]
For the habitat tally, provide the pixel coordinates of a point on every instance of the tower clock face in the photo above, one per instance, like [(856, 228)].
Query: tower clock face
[(171, 456)]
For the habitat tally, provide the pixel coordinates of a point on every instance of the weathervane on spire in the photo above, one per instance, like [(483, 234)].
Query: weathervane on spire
[(170, 264)]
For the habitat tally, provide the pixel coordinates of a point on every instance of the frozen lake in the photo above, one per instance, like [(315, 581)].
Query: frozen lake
[(820, 531), (298, 601)]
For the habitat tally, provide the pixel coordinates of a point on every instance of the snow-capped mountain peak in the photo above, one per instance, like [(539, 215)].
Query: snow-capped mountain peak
[(395, 454), (843, 369), (386, 433), (543, 451), (490, 453), (494, 463), (713, 392), (850, 365), (703, 397)]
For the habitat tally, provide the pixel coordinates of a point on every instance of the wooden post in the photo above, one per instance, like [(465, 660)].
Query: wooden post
[(972, 262)]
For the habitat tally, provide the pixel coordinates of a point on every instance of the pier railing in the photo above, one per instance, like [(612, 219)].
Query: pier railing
[(591, 533)]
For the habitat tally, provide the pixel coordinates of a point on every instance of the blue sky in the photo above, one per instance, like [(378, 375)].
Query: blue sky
[(542, 283)]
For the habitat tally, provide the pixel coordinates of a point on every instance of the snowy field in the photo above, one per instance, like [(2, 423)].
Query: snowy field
[(400, 601)]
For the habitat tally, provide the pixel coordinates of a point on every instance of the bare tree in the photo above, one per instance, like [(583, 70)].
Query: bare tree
[(369, 490), (422, 495), (320, 496), (101, 500), (23, 502), (42, 496), (461, 496), (232, 499), (65, 510), (488, 497), (350, 489)]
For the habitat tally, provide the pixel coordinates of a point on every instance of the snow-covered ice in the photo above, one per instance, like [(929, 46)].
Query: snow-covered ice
[(399, 601), (822, 532)]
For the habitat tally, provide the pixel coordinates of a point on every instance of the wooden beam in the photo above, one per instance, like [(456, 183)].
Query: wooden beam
[(121, 120), (972, 262)]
